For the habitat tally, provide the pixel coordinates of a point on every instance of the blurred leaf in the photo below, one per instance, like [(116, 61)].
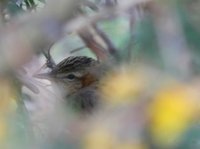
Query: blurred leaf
[(146, 42), (14, 9), (43, 1), (190, 139), (117, 31)]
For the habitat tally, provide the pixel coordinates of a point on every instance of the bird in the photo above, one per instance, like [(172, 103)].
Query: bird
[(77, 78)]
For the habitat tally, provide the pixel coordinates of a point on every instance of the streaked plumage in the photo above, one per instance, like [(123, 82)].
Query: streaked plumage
[(74, 64)]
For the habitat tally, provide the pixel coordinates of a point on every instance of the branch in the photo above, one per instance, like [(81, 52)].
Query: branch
[(50, 63)]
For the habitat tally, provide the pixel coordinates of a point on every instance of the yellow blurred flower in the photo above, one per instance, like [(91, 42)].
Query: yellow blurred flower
[(99, 138), (122, 86), (3, 129), (8, 95), (174, 108), (102, 138), (7, 106), (128, 145)]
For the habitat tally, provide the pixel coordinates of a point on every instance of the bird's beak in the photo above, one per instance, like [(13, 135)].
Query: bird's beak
[(43, 76)]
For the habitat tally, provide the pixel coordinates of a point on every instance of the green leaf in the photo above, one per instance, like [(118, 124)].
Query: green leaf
[(13, 9)]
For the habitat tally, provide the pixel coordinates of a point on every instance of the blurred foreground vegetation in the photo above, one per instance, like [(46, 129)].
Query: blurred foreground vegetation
[(151, 92)]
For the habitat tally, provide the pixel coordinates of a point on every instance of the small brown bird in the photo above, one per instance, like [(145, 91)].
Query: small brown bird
[(78, 79)]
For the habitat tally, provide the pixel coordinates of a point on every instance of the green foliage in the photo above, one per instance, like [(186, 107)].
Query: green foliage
[(14, 9)]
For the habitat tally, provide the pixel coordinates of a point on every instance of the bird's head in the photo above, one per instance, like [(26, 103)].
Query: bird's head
[(76, 73), (78, 78)]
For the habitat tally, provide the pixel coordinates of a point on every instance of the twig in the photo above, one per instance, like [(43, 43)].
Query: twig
[(110, 46), (77, 49), (83, 21), (50, 63), (98, 50), (91, 5)]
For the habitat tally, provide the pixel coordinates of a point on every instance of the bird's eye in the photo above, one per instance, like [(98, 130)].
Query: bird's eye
[(71, 77)]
